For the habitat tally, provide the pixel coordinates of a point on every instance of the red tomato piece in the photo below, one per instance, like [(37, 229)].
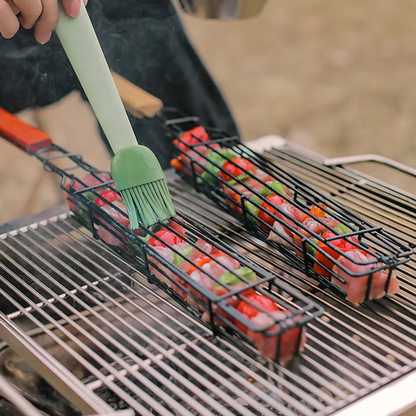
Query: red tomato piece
[(190, 137), (340, 243), (317, 211), (261, 303), (276, 200), (200, 261), (234, 170), (109, 195), (175, 163), (167, 236)]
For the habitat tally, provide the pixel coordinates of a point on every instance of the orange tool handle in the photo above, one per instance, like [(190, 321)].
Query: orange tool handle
[(22, 134)]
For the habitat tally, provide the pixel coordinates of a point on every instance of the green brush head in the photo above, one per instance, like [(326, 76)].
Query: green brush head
[(134, 166), (138, 176)]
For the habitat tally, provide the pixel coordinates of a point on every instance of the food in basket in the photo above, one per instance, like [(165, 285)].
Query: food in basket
[(212, 272), (357, 287), (90, 180), (270, 312)]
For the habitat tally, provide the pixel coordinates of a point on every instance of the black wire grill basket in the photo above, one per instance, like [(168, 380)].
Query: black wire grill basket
[(201, 163), (285, 330)]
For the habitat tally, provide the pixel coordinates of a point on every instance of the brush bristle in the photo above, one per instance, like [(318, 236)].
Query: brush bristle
[(148, 203)]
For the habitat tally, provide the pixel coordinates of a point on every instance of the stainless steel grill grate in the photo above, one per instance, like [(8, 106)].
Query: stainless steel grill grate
[(104, 338)]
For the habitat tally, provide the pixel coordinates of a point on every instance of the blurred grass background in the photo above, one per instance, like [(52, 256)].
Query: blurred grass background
[(334, 76)]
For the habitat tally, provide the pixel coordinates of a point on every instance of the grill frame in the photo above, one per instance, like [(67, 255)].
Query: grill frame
[(386, 407), (47, 361)]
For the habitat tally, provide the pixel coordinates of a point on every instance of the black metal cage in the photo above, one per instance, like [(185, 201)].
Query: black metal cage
[(217, 310), (201, 162)]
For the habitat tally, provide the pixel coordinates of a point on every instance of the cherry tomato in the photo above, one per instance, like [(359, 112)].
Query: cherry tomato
[(235, 170), (109, 195), (190, 137), (276, 200), (249, 311), (167, 236)]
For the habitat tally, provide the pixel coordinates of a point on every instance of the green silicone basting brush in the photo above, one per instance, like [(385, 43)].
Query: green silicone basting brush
[(135, 169)]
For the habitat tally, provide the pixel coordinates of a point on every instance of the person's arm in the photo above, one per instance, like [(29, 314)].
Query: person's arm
[(40, 14)]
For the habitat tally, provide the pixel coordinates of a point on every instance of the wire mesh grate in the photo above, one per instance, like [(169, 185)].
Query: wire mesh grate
[(130, 347), (135, 349)]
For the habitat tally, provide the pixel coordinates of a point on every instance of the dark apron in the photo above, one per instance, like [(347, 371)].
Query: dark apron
[(145, 42)]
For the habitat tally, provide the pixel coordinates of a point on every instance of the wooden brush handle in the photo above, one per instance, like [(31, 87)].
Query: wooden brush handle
[(136, 101), (21, 134)]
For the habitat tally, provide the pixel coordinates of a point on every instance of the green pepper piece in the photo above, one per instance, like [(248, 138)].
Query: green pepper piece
[(278, 187), (135, 249), (90, 195), (83, 212), (242, 177), (158, 226), (256, 198), (207, 176), (186, 251), (342, 229), (229, 279), (219, 160), (310, 248), (177, 259), (220, 157), (118, 202), (253, 209)]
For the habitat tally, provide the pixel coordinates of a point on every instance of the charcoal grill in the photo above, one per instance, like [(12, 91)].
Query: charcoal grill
[(357, 359)]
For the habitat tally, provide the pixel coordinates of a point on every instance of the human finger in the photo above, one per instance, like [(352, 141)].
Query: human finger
[(9, 23), (47, 21), (71, 7), (30, 11), (13, 6)]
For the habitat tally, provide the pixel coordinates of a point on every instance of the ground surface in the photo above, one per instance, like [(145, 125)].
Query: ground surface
[(335, 76)]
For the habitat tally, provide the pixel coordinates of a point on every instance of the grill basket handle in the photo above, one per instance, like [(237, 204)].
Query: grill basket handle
[(138, 102), (350, 160), (22, 134)]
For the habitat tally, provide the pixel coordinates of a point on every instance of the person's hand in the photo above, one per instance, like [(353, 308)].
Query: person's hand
[(41, 14)]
